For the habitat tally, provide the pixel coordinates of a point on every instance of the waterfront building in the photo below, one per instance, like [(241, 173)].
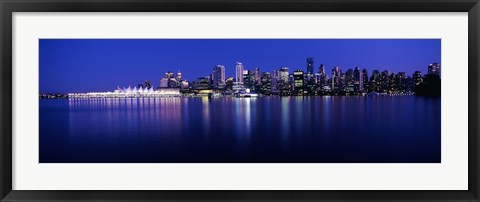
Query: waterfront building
[(164, 83), (168, 81), (184, 84), (229, 83), (129, 93), (203, 83)]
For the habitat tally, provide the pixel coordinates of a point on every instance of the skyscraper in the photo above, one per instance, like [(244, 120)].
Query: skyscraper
[(349, 81), (375, 81), (284, 74), (385, 80), (266, 81), (336, 78), (401, 82), (249, 79), (358, 79), (365, 80), (239, 73), (321, 69), (298, 82), (218, 76), (310, 65), (257, 75)]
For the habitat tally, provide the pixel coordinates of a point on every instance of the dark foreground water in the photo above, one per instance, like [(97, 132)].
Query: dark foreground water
[(236, 130)]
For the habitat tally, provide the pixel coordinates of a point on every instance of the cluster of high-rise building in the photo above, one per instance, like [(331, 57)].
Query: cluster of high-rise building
[(282, 82), (285, 82)]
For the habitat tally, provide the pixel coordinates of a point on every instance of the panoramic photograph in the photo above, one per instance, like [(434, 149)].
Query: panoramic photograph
[(239, 100)]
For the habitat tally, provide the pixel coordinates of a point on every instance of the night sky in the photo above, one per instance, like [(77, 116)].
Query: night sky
[(85, 65)]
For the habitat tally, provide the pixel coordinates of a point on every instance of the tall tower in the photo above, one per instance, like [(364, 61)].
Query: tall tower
[(298, 82), (239, 73), (284, 74), (218, 76), (365, 82), (310, 65), (321, 69), (336, 76), (358, 79), (257, 75)]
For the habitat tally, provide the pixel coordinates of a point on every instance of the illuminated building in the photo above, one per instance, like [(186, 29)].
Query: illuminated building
[(375, 82), (266, 83), (366, 85), (298, 82), (336, 79), (179, 76), (310, 65), (203, 83), (257, 75), (218, 76), (284, 74), (358, 80), (239, 73)]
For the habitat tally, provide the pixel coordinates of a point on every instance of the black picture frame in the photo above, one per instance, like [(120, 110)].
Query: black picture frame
[(7, 7)]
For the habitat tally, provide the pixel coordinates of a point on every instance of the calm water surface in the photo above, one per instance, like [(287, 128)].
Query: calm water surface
[(376, 129)]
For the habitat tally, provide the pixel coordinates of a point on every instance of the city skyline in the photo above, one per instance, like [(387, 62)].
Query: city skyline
[(55, 54)]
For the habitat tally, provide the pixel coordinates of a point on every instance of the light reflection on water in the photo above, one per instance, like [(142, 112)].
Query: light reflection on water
[(270, 129)]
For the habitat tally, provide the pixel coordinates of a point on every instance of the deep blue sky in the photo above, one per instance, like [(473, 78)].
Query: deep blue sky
[(83, 65)]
